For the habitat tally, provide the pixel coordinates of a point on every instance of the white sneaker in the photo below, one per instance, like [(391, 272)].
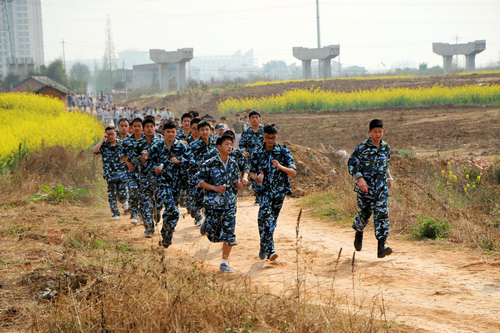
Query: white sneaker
[(135, 220), (125, 205), (115, 217)]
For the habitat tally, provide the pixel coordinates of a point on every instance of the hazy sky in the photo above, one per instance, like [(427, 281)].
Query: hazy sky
[(371, 33)]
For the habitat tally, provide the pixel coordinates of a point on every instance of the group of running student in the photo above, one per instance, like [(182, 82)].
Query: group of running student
[(193, 166)]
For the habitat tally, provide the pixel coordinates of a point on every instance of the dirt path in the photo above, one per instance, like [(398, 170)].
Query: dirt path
[(431, 290)]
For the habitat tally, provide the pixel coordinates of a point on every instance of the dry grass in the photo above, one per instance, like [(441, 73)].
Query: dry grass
[(104, 284), (50, 167)]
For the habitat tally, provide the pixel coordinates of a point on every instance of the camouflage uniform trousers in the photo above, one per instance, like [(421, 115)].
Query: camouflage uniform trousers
[(194, 201), (221, 224), (117, 190), (134, 203), (267, 219), (376, 203), (147, 199), (170, 213)]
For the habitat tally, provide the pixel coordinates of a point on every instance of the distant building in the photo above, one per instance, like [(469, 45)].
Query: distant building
[(42, 85), (21, 41), (222, 67), (129, 58), (354, 71)]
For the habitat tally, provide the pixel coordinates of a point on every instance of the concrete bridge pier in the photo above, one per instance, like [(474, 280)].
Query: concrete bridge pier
[(163, 58), (324, 54), (447, 51), (306, 69)]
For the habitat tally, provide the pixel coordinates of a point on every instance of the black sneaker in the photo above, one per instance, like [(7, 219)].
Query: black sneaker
[(383, 251), (198, 220), (358, 240), (203, 227), (149, 233), (262, 255)]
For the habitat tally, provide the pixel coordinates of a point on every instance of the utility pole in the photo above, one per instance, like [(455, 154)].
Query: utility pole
[(64, 56), (319, 39)]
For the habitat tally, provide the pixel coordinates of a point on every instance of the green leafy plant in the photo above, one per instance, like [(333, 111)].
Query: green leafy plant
[(428, 227), (407, 153), (58, 194)]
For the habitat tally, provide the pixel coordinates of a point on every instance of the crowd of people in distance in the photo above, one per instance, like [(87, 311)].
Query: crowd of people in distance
[(153, 162)]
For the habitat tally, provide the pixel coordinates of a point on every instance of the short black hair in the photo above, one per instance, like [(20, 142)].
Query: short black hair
[(202, 124), (194, 113), (186, 115), (253, 113), (169, 124), (230, 133), (110, 128), (137, 120), (148, 120), (224, 137), (123, 120), (221, 118), (376, 123), (195, 121), (270, 129)]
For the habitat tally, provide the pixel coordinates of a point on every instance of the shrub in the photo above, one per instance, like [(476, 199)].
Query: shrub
[(428, 227), (407, 153)]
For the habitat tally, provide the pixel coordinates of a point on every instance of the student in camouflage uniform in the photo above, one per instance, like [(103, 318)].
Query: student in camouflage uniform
[(184, 131), (237, 155), (149, 181), (114, 170), (369, 166), (251, 139), (134, 154), (130, 155), (171, 160), (276, 163), (220, 177), (123, 126), (123, 133), (200, 148)]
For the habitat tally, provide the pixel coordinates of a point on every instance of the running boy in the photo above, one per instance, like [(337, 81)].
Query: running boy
[(369, 166), (114, 170), (275, 163), (220, 176), (171, 160)]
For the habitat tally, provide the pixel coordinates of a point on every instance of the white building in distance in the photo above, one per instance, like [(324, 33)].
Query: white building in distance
[(21, 36)]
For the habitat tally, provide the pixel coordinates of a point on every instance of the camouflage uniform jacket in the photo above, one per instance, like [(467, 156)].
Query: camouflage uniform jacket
[(236, 155), (120, 140), (276, 183), (133, 148), (370, 162), (251, 140), (214, 173), (200, 149), (113, 168), (183, 137), (173, 174)]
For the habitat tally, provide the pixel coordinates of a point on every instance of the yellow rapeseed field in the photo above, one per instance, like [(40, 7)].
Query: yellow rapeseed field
[(317, 99), (31, 121)]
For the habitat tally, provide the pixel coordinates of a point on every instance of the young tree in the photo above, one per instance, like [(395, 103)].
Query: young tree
[(79, 77), (56, 72)]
